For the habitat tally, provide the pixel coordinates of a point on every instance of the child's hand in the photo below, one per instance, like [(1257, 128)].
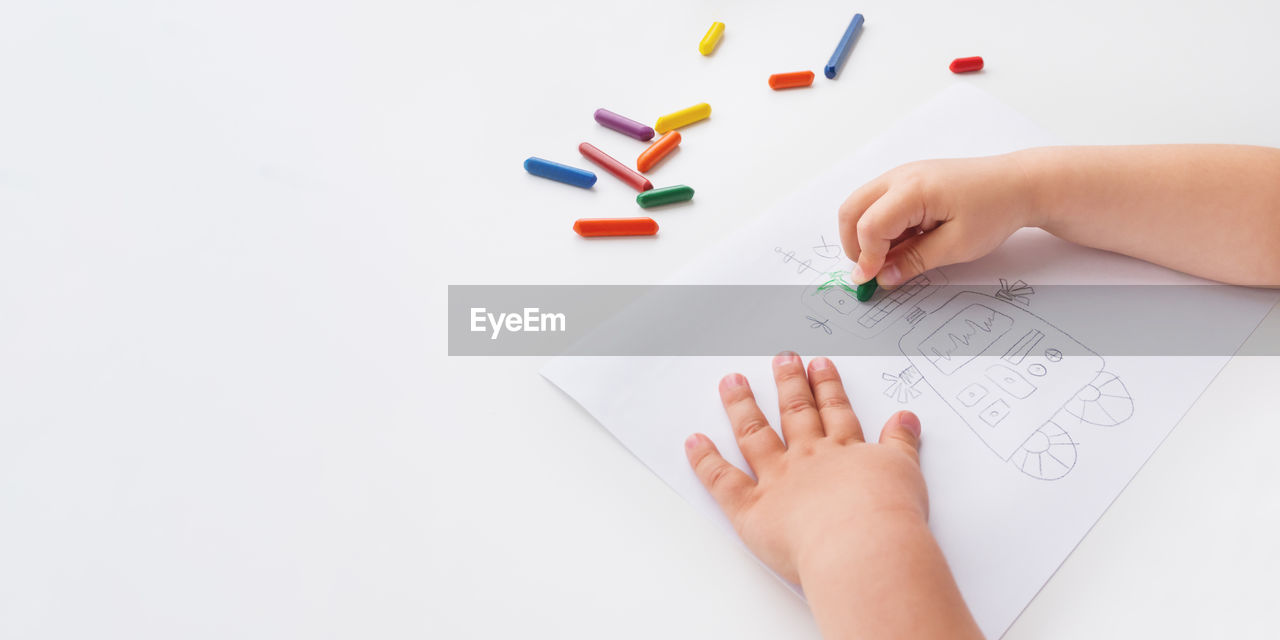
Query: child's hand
[(825, 485), (932, 213), (844, 518)]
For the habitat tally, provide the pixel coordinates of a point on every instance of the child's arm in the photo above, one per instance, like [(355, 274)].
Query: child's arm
[(1208, 210), (845, 519)]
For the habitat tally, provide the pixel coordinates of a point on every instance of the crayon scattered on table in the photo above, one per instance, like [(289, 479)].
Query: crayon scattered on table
[(665, 195), (560, 172), (624, 125), (619, 170), (594, 227), (841, 53), (683, 117), (790, 80), (657, 151), (865, 290), (965, 65), (712, 38)]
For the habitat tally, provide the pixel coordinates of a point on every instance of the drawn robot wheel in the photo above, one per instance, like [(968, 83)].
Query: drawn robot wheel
[(1105, 402), (1048, 454)]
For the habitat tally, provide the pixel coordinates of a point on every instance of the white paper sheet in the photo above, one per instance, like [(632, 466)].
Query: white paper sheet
[(1006, 517)]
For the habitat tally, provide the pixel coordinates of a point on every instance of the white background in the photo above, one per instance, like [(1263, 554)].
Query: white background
[(226, 231)]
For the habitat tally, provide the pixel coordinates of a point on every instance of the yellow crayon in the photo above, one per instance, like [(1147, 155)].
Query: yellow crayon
[(712, 38), (683, 117)]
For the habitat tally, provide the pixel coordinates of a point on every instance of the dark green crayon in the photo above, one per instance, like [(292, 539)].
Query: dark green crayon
[(665, 195), (865, 290)]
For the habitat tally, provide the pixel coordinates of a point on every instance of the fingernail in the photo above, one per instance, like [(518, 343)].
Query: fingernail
[(785, 357), (890, 275), (910, 421), (856, 275), (820, 363), (693, 441), (732, 380)]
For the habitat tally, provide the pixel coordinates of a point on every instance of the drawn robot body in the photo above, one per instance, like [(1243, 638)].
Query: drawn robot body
[(1014, 378)]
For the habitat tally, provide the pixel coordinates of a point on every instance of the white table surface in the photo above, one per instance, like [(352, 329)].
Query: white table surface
[(226, 231)]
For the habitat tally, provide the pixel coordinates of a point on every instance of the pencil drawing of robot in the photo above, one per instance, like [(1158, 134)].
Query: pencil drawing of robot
[(1016, 380), (1003, 370)]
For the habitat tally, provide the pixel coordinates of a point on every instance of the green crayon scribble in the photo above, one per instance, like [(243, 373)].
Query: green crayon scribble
[(837, 280)]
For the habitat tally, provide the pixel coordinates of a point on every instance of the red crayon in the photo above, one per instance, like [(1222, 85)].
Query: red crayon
[(965, 65), (619, 170)]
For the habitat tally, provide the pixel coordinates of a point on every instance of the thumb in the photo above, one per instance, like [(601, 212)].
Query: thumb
[(918, 254), (902, 431)]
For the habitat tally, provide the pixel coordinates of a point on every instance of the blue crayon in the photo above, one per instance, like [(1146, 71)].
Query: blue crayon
[(842, 50), (560, 172)]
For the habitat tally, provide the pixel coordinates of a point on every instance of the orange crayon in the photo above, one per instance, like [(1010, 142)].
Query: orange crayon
[(790, 80), (658, 150), (593, 227)]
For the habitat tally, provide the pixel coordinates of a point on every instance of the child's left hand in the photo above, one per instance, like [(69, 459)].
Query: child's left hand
[(825, 488), (844, 518)]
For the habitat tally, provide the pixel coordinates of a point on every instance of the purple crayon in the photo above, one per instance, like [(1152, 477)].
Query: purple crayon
[(624, 125)]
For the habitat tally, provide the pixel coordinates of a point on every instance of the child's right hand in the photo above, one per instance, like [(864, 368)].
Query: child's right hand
[(933, 213)]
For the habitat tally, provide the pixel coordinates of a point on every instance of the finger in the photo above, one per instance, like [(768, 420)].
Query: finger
[(838, 420), (800, 420), (759, 443), (903, 237), (885, 220), (902, 431), (853, 208), (914, 256), (727, 484)]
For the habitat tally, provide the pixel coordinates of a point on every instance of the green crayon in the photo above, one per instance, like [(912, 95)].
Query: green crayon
[(865, 290), (665, 195)]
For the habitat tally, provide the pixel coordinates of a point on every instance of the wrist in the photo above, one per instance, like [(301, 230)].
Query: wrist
[(853, 548), (1028, 202), (891, 581)]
